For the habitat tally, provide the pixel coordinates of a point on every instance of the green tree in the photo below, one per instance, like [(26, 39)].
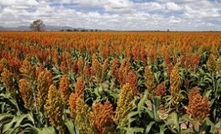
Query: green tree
[(37, 25)]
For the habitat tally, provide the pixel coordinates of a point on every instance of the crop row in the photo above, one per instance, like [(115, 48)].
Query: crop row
[(110, 82)]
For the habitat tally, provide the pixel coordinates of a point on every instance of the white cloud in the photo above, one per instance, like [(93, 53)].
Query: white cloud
[(172, 6), (115, 14)]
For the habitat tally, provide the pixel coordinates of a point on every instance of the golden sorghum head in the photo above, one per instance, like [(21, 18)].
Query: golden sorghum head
[(123, 70), (102, 117), (55, 56), (124, 105), (132, 80), (218, 64), (66, 56), (104, 68), (44, 80), (150, 81), (211, 63), (198, 106), (72, 103), (160, 90), (26, 93), (175, 85), (54, 108), (87, 73), (64, 88), (79, 86), (80, 63), (27, 71), (114, 67), (96, 68), (214, 50), (3, 64), (83, 117), (7, 78)]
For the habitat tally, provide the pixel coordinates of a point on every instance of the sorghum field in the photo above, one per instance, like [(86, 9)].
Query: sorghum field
[(110, 82)]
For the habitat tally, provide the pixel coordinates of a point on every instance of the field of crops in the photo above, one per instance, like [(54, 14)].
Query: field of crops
[(110, 82)]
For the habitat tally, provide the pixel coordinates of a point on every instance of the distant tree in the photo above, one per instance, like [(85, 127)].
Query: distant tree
[(68, 30), (37, 25)]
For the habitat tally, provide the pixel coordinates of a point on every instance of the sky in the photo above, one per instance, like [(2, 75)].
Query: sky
[(179, 15)]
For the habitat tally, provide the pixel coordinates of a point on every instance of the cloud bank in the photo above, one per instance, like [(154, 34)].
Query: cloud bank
[(115, 14)]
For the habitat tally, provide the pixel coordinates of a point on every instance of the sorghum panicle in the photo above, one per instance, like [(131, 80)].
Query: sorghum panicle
[(160, 89), (3, 64), (80, 63), (198, 106), (124, 105), (104, 68), (87, 73), (175, 83), (27, 71), (96, 68), (72, 104), (44, 80), (123, 70), (54, 108), (7, 78), (211, 63), (64, 88), (102, 117), (83, 117), (150, 81), (114, 67), (79, 86), (26, 93), (132, 80)]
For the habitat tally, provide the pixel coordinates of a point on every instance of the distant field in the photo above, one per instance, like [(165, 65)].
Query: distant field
[(110, 82)]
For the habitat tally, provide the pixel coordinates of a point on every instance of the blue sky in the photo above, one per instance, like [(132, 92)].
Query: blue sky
[(115, 14)]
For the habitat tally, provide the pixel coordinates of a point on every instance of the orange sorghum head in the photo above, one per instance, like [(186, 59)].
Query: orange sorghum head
[(160, 90), (198, 106), (72, 103), (132, 80), (79, 86), (64, 88), (102, 117)]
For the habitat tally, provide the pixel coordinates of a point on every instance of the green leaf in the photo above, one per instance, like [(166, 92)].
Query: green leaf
[(47, 130), (131, 115), (174, 120), (207, 94), (209, 123), (150, 113), (5, 115), (163, 128), (142, 102), (71, 127), (133, 130), (16, 123), (149, 126)]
